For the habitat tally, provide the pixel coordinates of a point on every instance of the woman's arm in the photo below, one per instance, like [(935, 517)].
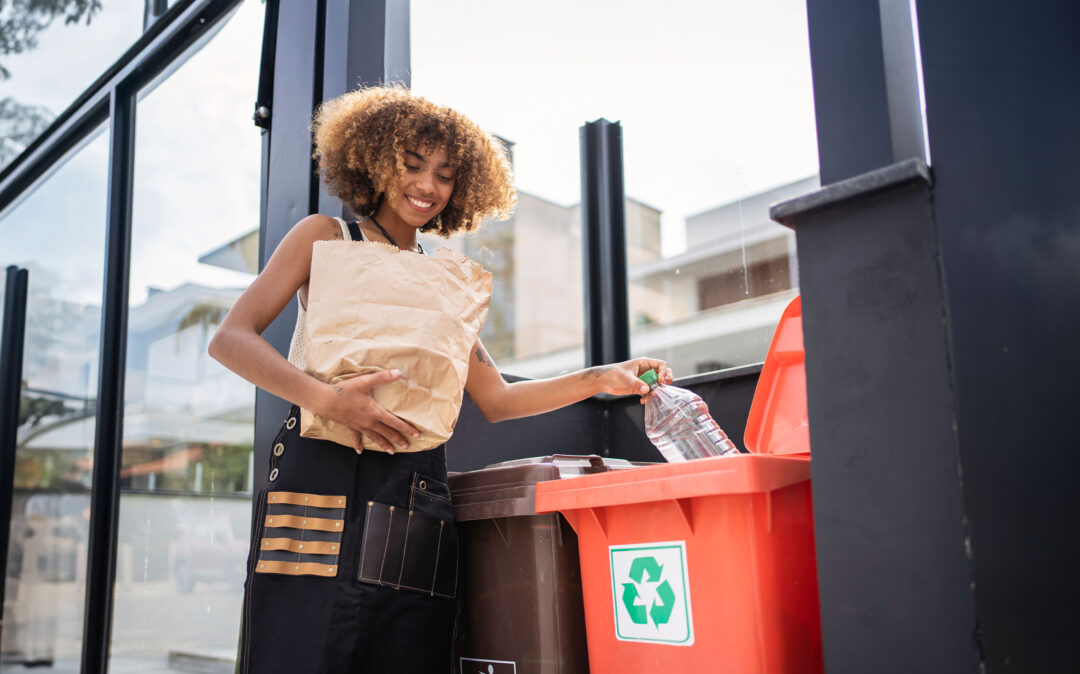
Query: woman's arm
[(238, 345), (499, 400)]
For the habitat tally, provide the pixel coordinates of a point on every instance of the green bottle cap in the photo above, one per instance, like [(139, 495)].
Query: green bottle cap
[(650, 379)]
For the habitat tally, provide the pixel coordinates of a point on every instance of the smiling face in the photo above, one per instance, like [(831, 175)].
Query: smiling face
[(422, 191)]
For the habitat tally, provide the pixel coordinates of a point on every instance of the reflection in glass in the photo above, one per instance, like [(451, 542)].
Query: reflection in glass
[(57, 232), (535, 323), (186, 469), (59, 52), (716, 106)]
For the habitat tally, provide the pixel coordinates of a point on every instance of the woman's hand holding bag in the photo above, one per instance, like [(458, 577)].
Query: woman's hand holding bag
[(353, 406)]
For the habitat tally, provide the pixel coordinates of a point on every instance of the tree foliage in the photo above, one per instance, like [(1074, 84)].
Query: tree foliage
[(20, 23), (19, 126), (22, 20)]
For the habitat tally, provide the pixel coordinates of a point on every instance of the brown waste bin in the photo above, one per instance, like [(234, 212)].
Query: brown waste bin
[(520, 585)]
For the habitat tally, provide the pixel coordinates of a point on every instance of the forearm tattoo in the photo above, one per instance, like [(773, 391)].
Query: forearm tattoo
[(483, 358), (595, 372)]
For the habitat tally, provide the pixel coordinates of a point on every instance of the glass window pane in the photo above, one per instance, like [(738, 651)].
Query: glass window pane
[(57, 232), (716, 106), (62, 48), (185, 503), (535, 324)]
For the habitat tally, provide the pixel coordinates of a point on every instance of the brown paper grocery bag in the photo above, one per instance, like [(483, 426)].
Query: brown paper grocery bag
[(372, 307)]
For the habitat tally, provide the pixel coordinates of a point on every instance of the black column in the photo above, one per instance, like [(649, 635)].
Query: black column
[(11, 360), (866, 98), (290, 186), (1002, 100), (367, 43), (603, 233), (112, 367), (888, 506)]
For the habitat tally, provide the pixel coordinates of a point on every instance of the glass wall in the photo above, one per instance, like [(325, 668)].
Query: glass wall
[(50, 53), (57, 232), (186, 471), (716, 106), (506, 81)]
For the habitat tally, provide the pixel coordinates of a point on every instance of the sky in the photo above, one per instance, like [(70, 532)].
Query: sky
[(714, 98), (197, 158)]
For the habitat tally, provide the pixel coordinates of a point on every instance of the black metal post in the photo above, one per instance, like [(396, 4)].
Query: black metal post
[(152, 11), (290, 181), (366, 43), (866, 98), (108, 434), (888, 504), (603, 233), (11, 359)]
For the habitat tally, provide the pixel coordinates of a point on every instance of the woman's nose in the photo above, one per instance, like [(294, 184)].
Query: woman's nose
[(426, 181)]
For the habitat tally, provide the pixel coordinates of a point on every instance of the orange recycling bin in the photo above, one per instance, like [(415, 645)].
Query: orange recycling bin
[(706, 565)]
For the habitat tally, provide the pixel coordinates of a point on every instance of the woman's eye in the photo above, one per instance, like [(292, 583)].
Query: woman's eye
[(412, 168), (446, 179)]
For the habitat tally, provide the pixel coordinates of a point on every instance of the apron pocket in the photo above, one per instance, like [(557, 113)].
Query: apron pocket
[(301, 534), (408, 550), (430, 497)]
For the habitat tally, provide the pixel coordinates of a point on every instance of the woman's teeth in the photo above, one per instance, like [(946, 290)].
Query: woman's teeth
[(418, 203)]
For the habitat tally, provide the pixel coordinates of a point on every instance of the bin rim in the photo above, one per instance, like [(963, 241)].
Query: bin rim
[(713, 476)]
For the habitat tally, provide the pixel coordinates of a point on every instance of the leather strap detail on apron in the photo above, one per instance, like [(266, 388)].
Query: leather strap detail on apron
[(301, 534), (313, 500), (297, 569), (305, 547), (299, 522)]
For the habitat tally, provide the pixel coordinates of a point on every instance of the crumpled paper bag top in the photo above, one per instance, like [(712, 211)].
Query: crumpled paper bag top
[(372, 307)]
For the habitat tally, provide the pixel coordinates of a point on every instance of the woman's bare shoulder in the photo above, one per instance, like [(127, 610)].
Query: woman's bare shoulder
[(318, 227), (292, 256)]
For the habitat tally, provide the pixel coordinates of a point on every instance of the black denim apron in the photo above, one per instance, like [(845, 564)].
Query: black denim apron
[(353, 562)]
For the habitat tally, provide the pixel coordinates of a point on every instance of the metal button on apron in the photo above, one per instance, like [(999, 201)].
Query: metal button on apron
[(279, 449), (273, 474), (290, 423)]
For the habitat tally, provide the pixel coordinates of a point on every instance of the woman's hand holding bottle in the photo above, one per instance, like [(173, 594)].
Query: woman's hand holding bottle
[(622, 378)]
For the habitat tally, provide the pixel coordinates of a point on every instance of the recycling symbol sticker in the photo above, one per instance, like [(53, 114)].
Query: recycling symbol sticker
[(651, 591)]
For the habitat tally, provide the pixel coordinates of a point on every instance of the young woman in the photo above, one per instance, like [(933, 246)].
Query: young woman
[(317, 598)]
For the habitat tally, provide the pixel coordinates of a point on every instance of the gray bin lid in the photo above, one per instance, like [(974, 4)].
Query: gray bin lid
[(508, 489)]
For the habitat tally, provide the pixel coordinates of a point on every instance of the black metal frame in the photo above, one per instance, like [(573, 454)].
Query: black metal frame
[(112, 97), (109, 427), (866, 93), (12, 338), (603, 235)]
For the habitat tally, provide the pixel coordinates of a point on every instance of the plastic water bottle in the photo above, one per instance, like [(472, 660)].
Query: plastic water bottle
[(678, 423)]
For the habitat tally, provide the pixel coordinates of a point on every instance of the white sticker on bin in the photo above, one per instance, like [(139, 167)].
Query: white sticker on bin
[(650, 587), (481, 666)]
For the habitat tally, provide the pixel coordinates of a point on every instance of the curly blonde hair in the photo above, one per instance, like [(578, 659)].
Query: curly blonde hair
[(360, 143)]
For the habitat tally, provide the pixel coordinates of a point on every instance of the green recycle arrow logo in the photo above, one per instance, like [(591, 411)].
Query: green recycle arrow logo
[(665, 596)]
